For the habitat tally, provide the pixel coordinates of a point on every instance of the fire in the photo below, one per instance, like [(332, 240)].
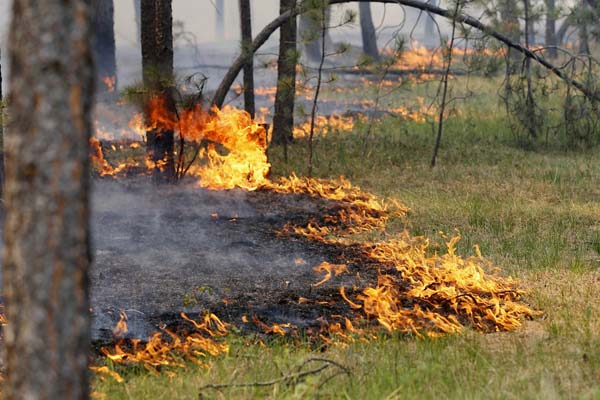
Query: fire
[(415, 291), (167, 348), (110, 83), (419, 57), (330, 270), (325, 125)]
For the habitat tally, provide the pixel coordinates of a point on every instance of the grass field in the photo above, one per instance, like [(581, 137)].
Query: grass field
[(535, 214)]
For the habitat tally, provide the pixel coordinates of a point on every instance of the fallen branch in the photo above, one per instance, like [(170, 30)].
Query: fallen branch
[(263, 36), (286, 379)]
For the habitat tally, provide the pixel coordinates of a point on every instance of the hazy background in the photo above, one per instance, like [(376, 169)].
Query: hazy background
[(197, 18)]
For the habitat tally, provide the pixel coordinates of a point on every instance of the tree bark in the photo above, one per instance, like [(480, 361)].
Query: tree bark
[(157, 65), (550, 37), (285, 98), (104, 46), (1, 134), (367, 29), (46, 233), (246, 30)]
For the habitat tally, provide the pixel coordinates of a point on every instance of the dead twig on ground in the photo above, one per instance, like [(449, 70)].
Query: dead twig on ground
[(288, 379)]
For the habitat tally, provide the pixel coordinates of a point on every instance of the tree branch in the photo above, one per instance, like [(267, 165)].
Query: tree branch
[(268, 30)]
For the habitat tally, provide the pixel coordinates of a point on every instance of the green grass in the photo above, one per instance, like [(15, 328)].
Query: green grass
[(535, 214)]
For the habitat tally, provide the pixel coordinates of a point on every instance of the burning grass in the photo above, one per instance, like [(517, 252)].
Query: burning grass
[(534, 213), (416, 291)]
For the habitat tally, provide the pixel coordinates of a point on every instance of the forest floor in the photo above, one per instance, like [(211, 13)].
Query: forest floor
[(534, 213)]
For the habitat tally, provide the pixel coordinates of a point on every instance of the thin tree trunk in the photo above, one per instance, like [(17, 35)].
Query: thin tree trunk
[(367, 29), (285, 98), (550, 38), (584, 44), (246, 30), (46, 233), (313, 112), (157, 65), (310, 26), (1, 134), (104, 46), (137, 8), (220, 19), (438, 139)]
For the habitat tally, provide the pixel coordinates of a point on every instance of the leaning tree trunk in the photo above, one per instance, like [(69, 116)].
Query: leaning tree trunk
[(246, 30), (283, 119), (369, 36), (550, 37), (157, 65), (104, 46), (46, 232)]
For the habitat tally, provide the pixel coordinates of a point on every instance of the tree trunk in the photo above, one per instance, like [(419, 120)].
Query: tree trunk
[(104, 46), (429, 28), (285, 98), (157, 65), (46, 234), (1, 134), (137, 8), (584, 43), (246, 30), (509, 15), (369, 36), (550, 40), (310, 27), (220, 19)]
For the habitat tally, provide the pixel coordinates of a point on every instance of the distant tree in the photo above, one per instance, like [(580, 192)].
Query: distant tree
[(46, 232), (157, 65), (246, 30), (550, 34), (137, 9), (283, 119), (430, 22), (220, 19), (367, 29), (310, 28), (104, 46)]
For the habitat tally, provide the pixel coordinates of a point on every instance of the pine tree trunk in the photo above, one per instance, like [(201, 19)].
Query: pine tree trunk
[(104, 46), (137, 9), (1, 134), (283, 119), (369, 36), (246, 28), (157, 65), (550, 37), (46, 232), (310, 27)]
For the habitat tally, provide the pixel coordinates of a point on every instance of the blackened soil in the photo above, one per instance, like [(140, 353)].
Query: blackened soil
[(161, 250)]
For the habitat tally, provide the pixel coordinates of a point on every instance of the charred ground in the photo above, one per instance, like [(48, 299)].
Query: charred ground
[(159, 251)]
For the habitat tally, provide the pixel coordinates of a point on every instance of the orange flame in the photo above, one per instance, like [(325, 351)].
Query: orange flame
[(329, 269)]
